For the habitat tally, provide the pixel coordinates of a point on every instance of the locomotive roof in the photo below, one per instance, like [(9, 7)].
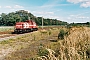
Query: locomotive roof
[(24, 22), (20, 22), (29, 20)]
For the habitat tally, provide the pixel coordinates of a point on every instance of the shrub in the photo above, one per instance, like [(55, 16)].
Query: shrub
[(88, 52), (62, 34), (43, 52), (49, 32)]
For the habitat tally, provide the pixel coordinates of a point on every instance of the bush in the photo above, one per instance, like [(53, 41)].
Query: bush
[(62, 34), (88, 52), (43, 52)]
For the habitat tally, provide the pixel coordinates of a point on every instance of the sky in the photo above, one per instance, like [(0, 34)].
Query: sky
[(77, 11)]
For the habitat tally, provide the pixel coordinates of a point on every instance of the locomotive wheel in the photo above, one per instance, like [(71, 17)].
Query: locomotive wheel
[(31, 30)]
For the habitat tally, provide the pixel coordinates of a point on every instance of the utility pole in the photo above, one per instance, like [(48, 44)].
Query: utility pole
[(42, 22), (28, 17)]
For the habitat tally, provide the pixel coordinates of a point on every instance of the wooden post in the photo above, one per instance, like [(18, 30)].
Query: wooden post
[(42, 22), (28, 17)]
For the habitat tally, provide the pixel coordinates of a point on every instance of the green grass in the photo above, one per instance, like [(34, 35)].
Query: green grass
[(7, 41), (6, 28), (27, 43)]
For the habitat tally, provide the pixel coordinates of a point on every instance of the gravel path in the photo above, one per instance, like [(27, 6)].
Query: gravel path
[(8, 50), (32, 46), (10, 36)]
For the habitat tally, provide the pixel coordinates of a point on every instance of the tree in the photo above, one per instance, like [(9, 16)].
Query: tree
[(3, 17), (88, 23), (21, 16)]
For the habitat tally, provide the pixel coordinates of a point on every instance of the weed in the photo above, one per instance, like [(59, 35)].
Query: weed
[(43, 32), (57, 52), (49, 33), (42, 51), (34, 38), (62, 34), (88, 53), (5, 42)]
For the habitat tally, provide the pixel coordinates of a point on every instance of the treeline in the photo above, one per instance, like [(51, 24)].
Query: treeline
[(21, 16), (79, 24)]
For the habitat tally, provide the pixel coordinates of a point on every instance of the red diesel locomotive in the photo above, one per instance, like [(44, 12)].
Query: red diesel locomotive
[(27, 26)]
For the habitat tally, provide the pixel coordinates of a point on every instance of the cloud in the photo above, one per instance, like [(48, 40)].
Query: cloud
[(83, 3), (50, 4), (0, 6), (46, 14), (76, 1), (86, 4), (78, 18), (18, 6), (82, 17), (8, 7), (42, 12), (80, 14)]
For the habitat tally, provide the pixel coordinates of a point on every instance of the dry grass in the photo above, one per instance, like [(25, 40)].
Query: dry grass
[(23, 47), (73, 47), (76, 44), (6, 29)]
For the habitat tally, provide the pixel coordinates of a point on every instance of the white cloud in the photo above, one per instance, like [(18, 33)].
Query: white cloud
[(72, 15), (86, 4), (78, 19), (28, 11), (43, 13), (76, 1), (8, 7), (0, 6), (83, 3), (82, 17), (49, 12), (68, 17), (18, 6)]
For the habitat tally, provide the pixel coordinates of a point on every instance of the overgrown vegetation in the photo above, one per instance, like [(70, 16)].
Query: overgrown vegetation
[(21, 16), (62, 34), (26, 46), (87, 24), (76, 46), (42, 51), (6, 29)]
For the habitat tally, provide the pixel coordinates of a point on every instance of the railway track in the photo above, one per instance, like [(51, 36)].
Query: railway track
[(9, 36), (6, 35), (12, 36)]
